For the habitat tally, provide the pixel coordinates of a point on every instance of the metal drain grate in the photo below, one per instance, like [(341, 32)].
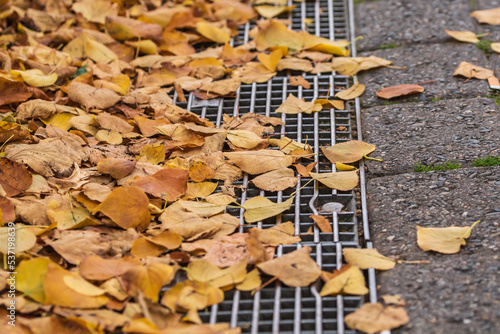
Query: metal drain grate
[(278, 308)]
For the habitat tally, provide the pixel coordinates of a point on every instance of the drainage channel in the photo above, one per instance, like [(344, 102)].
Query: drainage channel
[(278, 308)]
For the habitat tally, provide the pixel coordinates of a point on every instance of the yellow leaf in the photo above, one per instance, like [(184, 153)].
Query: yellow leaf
[(149, 279), (112, 137), (213, 33), (243, 138), (84, 46), (154, 153), (341, 166), (274, 33), (259, 208), (252, 281), (495, 47), (81, 286), (321, 44), (373, 318), (338, 180), (191, 295), (276, 180), (488, 16), (463, 36), (268, 11), (281, 234), (24, 238), (203, 209), (469, 70), (367, 258), (36, 78), (203, 271), (199, 189), (62, 120), (329, 104), (30, 275), (295, 269), (349, 151), (120, 84), (96, 10), (352, 65), (268, 160), (271, 60), (73, 218), (347, 280), (352, 92), (446, 240), (146, 46), (293, 105)]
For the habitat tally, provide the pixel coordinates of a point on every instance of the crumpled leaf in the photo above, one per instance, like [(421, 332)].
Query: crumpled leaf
[(463, 36), (373, 318), (127, 207), (367, 258), (469, 70), (12, 132), (91, 97), (446, 240), (295, 269), (294, 105), (259, 208), (352, 92), (24, 239), (14, 177), (203, 271), (276, 180), (343, 181), (347, 280), (36, 78), (347, 152), (268, 160), (488, 16), (399, 90)]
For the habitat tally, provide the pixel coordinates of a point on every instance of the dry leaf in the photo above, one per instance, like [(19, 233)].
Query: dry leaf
[(269, 11), (168, 183), (446, 240), (343, 181), (300, 81), (127, 207), (399, 90), (394, 299), (243, 138), (259, 208), (116, 168), (295, 269), (329, 104), (7, 212), (488, 16), (12, 91), (36, 78), (463, 36), (495, 47), (14, 177), (276, 180), (270, 61), (352, 92), (251, 282), (268, 160), (347, 152), (203, 271), (367, 258), (24, 239), (30, 274), (274, 33), (469, 70), (91, 97), (281, 234), (347, 280), (373, 318), (323, 223), (353, 65), (293, 105), (149, 279)]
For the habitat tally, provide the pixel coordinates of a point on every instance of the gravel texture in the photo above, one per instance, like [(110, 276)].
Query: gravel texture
[(458, 293), (409, 21), (431, 133), (425, 62)]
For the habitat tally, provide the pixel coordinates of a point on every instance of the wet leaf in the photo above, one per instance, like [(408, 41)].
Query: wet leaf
[(446, 240), (127, 207), (95, 11), (463, 36), (469, 70), (293, 105), (347, 152), (343, 181), (373, 318), (295, 269), (352, 92), (488, 16), (14, 177), (259, 208), (347, 280), (399, 90), (276, 180), (367, 258)]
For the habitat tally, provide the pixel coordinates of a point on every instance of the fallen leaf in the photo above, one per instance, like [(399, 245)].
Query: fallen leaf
[(12, 132), (353, 65), (84, 46), (352, 92), (96, 268), (91, 97), (211, 32), (24, 239), (14, 177), (329, 104), (200, 172), (127, 207), (399, 90), (322, 44), (347, 280), (124, 28), (343, 181), (293, 105), (495, 47), (203, 271), (191, 295), (149, 279), (154, 153), (95, 11), (259, 208), (305, 170), (268, 160), (367, 258), (269, 11), (300, 81), (116, 168), (295, 269), (463, 36), (12, 91), (341, 166), (294, 64), (488, 16), (323, 223), (373, 318), (7, 212), (30, 274), (394, 299), (469, 70), (347, 152), (274, 33), (270, 61), (243, 138), (281, 234), (446, 240), (276, 180), (251, 282), (168, 183), (36, 78)]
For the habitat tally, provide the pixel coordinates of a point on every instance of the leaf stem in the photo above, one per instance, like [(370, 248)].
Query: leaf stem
[(266, 284), (366, 157), (470, 229)]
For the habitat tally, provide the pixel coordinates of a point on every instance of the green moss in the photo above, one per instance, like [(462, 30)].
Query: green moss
[(494, 95), (445, 166), (485, 45), (387, 46), (435, 99), (488, 161)]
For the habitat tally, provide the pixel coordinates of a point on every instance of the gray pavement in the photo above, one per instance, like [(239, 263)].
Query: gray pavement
[(452, 121), (457, 293)]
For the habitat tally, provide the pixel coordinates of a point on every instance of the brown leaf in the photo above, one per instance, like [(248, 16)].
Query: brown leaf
[(168, 183), (127, 207), (96, 268), (276, 180), (123, 28), (399, 90), (7, 213), (352, 92), (115, 167), (14, 177), (300, 81), (281, 234), (91, 97), (323, 223), (12, 91), (293, 105), (149, 279), (373, 318), (268, 160), (469, 70), (294, 269), (463, 36)]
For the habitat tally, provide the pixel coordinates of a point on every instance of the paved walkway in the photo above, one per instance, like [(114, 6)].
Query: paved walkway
[(452, 121)]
